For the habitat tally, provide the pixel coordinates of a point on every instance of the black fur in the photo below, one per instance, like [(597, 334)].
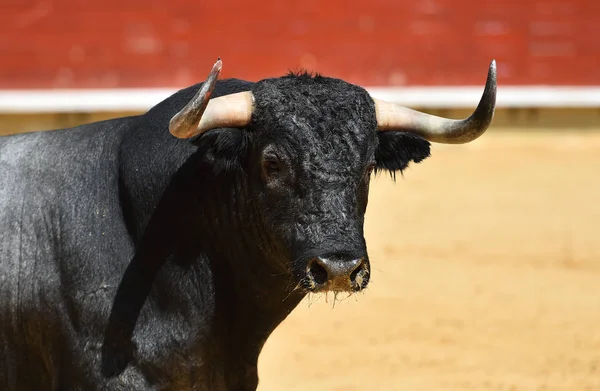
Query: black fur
[(134, 260)]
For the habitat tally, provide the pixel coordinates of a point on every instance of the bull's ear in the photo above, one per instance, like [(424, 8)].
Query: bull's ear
[(223, 149), (397, 149)]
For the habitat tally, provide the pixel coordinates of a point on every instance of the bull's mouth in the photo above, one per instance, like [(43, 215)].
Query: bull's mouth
[(334, 276)]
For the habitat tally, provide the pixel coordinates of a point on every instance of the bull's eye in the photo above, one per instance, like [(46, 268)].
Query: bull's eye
[(271, 166)]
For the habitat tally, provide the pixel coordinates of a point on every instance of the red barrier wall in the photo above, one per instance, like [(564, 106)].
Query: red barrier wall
[(150, 43)]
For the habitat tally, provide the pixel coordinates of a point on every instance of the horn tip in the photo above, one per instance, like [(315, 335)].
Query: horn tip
[(492, 70), (218, 64), (492, 77)]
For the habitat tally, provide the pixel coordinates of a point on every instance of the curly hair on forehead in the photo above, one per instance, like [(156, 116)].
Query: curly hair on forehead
[(314, 95), (304, 74)]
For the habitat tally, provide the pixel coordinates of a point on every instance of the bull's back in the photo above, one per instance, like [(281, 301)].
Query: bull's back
[(62, 247)]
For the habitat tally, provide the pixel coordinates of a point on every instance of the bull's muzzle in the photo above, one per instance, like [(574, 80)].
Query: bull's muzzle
[(338, 274)]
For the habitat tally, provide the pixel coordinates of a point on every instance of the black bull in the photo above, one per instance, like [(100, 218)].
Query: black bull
[(132, 259)]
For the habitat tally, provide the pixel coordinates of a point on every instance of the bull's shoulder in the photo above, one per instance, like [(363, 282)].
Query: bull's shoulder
[(63, 242), (59, 197)]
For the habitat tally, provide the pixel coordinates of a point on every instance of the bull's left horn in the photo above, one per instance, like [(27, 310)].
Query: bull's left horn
[(392, 117), (202, 113)]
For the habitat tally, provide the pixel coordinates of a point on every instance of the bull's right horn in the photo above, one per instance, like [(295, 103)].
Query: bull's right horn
[(393, 117), (202, 113)]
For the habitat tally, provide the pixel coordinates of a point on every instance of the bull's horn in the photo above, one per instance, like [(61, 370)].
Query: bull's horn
[(202, 113), (391, 116)]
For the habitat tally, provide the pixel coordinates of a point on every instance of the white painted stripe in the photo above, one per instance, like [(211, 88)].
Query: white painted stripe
[(468, 97), (80, 100), (141, 99)]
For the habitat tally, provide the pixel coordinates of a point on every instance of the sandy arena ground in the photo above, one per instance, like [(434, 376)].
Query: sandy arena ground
[(485, 276)]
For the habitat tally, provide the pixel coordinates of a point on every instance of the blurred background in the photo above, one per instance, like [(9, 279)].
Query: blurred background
[(486, 256)]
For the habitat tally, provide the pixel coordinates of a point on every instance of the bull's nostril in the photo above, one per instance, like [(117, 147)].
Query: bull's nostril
[(360, 276), (318, 272)]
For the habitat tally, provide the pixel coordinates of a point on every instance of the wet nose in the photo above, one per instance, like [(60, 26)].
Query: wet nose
[(338, 274)]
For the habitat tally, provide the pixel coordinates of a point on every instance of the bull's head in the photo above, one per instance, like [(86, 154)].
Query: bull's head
[(310, 145)]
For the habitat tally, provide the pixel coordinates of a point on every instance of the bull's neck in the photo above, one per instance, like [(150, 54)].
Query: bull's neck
[(209, 224), (236, 239), (253, 289), (149, 158)]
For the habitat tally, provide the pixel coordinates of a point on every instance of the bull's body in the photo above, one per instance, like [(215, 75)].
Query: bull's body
[(72, 206), (134, 260)]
